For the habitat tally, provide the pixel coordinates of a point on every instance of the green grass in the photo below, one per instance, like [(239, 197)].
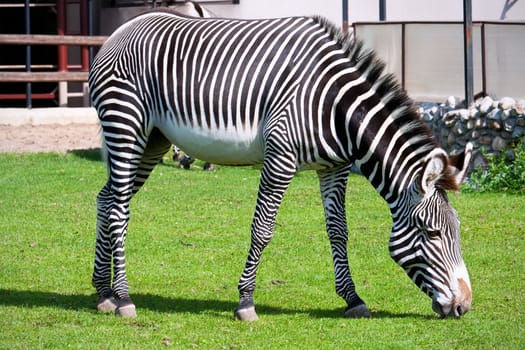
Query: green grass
[(187, 243)]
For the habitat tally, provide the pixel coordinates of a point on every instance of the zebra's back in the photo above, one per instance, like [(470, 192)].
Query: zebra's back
[(211, 84)]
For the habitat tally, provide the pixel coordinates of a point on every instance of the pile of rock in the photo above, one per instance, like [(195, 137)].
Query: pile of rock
[(494, 126)]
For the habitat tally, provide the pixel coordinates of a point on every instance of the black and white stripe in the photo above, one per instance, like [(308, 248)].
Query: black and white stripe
[(290, 93)]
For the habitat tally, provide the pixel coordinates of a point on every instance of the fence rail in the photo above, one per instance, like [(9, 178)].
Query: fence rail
[(42, 77), (62, 76), (36, 39)]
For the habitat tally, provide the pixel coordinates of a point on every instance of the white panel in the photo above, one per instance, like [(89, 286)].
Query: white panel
[(434, 61), (505, 53), (385, 40), (424, 10)]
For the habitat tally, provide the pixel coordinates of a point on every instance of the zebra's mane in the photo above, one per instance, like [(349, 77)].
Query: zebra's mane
[(390, 92)]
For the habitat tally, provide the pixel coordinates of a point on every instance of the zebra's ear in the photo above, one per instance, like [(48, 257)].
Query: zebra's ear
[(445, 172), (433, 168), (459, 165)]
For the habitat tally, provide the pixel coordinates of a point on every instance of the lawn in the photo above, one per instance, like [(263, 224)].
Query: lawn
[(187, 243)]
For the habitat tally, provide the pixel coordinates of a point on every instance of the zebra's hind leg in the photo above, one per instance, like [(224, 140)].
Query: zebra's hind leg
[(333, 189), (275, 179), (157, 146), (101, 279), (129, 166)]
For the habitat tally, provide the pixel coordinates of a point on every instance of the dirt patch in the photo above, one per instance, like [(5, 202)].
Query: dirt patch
[(49, 138)]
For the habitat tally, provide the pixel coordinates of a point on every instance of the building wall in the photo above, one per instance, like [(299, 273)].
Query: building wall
[(434, 10), (439, 10), (434, 57), (358, 10)]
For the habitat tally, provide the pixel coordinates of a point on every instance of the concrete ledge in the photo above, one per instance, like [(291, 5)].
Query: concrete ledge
[(47, 116)]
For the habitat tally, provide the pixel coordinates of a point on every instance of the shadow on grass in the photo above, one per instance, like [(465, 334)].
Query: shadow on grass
[(83, 302), (93, 154)]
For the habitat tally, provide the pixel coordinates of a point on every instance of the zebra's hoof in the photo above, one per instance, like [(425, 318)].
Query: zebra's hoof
[(246, 314), (359, 311), (208, 167), (127, 311), (106, 304)]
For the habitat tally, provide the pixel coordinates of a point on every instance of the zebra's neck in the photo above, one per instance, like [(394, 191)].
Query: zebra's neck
[(388, 140), (385, 137)]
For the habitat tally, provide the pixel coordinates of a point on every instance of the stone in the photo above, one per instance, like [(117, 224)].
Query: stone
[(486, 105), (519, 131), (479, 161), (506, 135), (427, 117), (460, 128), (507, 103), (449, 119), (474, 113), (479, 123), (509, 124), (495, 114), (494, 124), (509, 154), (498, 144), (452, 101), (451, 139), (464, 114), (520, 107), (485, 140)]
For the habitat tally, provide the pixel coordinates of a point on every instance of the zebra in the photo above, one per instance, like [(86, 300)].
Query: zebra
[(189, 8), (292, 94)]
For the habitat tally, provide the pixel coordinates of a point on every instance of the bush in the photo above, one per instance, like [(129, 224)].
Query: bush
[(500, 174)]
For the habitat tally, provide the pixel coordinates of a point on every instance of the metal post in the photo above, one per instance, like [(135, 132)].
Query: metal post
[(91, 31), (62, 51), (345, 16), (29, 102), (382, 10), (403, 55), (84, 49), (483, 61), (469, 70)]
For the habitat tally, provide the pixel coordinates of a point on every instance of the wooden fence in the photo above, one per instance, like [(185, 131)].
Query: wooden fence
[(63, 75)]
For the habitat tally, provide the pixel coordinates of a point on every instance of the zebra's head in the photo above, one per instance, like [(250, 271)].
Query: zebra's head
[(425, 237)]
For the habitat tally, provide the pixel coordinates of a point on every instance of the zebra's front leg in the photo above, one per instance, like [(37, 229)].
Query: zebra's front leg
[(333, 190), (271, 191)]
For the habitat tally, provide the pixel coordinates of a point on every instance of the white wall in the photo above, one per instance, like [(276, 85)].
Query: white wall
[(452, 10), (368, 10), (358, 10), (331, 9)]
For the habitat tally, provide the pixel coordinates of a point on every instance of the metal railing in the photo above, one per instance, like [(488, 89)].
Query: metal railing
[(428, 57), (64, 72)]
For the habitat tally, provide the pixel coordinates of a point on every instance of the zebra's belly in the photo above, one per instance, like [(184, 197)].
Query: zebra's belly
[(228, 146)]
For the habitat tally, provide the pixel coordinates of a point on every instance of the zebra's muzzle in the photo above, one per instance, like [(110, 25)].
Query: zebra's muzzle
[(460, 304)]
